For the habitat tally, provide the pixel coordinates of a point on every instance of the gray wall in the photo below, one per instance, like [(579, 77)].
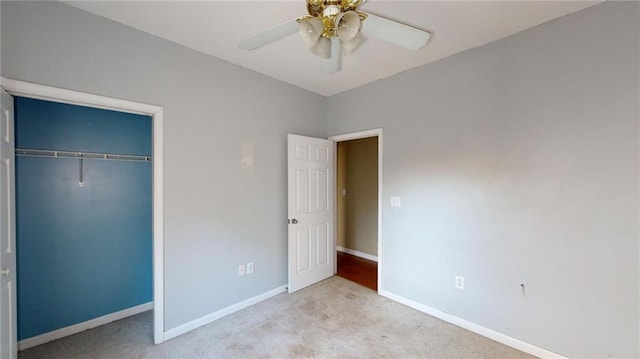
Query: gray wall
[(217, 214), (517, 162)]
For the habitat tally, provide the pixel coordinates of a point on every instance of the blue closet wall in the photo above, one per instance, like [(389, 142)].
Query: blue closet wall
[(83, 252)]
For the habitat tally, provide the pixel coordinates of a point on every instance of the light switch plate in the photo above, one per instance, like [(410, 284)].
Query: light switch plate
[(395, 201)]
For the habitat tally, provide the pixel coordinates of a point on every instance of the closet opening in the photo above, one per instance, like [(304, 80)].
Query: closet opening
[(14, 88), (84, 217)]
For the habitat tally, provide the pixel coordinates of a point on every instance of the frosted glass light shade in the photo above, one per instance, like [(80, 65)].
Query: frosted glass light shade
[(349, 46), (310, 30), (348, 25), (322, 48)]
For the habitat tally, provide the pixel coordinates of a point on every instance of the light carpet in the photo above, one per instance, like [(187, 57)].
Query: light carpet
[(335, 318)]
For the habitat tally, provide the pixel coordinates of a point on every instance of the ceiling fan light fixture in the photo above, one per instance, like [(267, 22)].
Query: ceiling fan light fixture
[(347, 25), (334, 27), (330, 11), (322, 48), (311, 30), (351, 45), (350, 4), (315, 2)]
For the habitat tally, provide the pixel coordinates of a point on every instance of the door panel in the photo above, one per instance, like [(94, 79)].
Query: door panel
[(311, 210), (322, 196), (302, 191), (302, 245), (8, 335), (323, 243)]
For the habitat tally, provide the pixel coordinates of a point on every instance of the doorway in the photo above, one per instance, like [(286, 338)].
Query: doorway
[(358, 211), (35, 91)]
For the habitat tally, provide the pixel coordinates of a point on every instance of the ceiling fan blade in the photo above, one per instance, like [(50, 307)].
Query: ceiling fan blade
[(332, 64), (395, 32), (270, 35)]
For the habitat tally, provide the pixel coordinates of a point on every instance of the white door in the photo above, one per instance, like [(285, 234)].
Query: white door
[(7, 232), (311, 210)]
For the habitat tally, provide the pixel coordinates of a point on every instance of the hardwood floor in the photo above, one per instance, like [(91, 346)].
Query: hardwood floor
[(359, 270)]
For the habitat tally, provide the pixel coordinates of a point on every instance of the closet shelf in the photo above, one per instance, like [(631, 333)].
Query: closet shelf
[(82, 155)]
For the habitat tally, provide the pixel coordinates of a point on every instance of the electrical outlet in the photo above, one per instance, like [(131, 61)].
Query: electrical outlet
[(249, 267), (241, 270), (460, 282), (396, 201)]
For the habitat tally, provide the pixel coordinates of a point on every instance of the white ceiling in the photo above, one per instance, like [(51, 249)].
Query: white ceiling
[(214, 27)]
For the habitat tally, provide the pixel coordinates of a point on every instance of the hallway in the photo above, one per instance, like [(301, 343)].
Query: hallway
[(359, 270)]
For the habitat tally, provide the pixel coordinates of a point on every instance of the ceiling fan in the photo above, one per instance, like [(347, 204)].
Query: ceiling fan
[(333, 26)]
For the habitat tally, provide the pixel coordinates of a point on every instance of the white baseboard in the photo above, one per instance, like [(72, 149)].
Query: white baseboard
[(357, 253), (172, 333), (485, 332), (80, 327)]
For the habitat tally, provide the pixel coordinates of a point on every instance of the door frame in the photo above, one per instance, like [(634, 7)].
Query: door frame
[(42, 92), (355, 136)]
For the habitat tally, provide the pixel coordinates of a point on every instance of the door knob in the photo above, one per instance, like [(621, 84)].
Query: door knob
[(5, 271), (294, 221)]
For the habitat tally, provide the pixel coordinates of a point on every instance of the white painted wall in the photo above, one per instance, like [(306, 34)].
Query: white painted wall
[(517, 162), (217, 214)]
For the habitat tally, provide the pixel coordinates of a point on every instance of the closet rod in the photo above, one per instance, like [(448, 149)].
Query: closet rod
[(83, 155)]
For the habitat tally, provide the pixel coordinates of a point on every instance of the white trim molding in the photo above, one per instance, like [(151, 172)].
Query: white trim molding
[(357, 135), (80, 327), (194, 324), (377, 132), (49, 93), (478, 329), (353, 252), (31, 90)]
